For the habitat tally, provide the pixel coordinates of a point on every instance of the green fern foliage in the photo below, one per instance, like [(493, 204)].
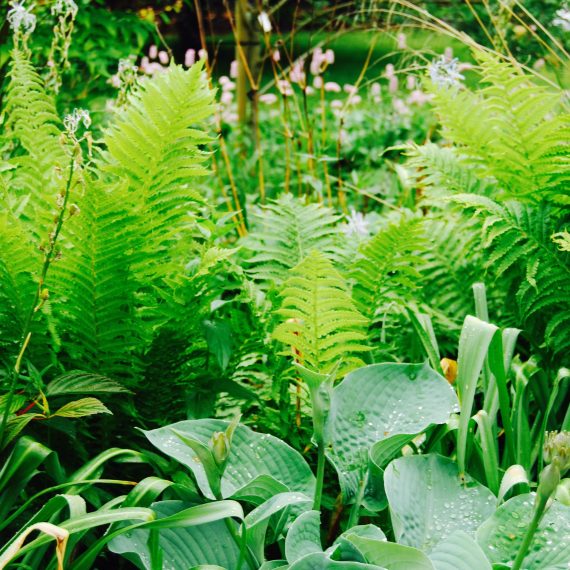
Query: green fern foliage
[(322, 324), (513, 129), (522, 252), (286, 231), (34, 127), (155, 147), (387, 270)]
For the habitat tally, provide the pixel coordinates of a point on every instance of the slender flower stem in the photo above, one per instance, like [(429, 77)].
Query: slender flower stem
[(321, 460), (38, 301), (355, 510), (529, 536)]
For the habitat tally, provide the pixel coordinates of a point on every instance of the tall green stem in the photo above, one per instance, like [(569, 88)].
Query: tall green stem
[(321, 460), (26, 332), (528, 537)]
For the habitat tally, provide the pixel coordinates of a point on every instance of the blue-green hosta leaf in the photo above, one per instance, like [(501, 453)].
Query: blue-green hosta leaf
[(259, 490), (379, 401), (500, 537), (347, 550), (320, 561), (428, 502), (252, 454), (304, 537), (392, 556), (182, 547), (459, 552), (258, 520)]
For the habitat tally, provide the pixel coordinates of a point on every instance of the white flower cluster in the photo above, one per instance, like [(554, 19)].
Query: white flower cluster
[(21, 18), (562, 19), (444, 72), (73, 121), (64, 8)]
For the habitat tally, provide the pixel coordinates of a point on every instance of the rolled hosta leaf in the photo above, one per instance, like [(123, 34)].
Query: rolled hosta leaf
[(252, 454), (500, 537), (379, 401), (459, 552), (428, 502)]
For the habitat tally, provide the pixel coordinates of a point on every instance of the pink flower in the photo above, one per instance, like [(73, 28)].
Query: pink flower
[(375, 89), (448, 53), (284, 87), (332, 87), (297, 75), (234, 69), (401, 41), (336, 104), (400, 107), (418, 97), (163, 57), (318, 82), (329, 56), (309, 90), (316, 61), (268, 98), (393, 84), (190, 57), (354, 99), (539, 64), (152, 52), (410, 82), (350, 89), (276, 56), (226, 98), (390, 71), (203, 54)]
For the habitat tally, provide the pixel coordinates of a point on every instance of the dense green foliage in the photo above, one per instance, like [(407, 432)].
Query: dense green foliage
[(336, 335)]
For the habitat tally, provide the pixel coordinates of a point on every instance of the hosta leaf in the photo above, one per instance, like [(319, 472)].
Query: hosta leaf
[(304, 536), (379, 401), (252, 454), (345, 547), (428, 501), (320, 561), (182, 546), (459, 552), (391, 555), (500, 537), (81, 408), (258, 520), (79, 382)]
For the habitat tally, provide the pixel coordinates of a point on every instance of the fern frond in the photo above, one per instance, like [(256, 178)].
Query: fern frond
[(387, 269), (513, 129), (286, 231), (519, 238), (155, 147), (441, 171), (32, 122), (322, 324)]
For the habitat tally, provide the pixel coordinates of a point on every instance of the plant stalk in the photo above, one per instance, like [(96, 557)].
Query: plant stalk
[(321, 460)]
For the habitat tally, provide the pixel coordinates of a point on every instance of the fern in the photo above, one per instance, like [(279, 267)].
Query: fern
[(33, 124), (287, 230), (513, 130), (322, 323), (519, 237), (441, 171), (387, 269), (154, 146)]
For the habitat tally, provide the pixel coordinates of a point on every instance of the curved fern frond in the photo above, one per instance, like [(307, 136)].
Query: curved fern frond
[(441, 171), (519, 238), (287, 230), (387, 269), (322, 323), (34, 125), (156, 147), (513, 129)]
